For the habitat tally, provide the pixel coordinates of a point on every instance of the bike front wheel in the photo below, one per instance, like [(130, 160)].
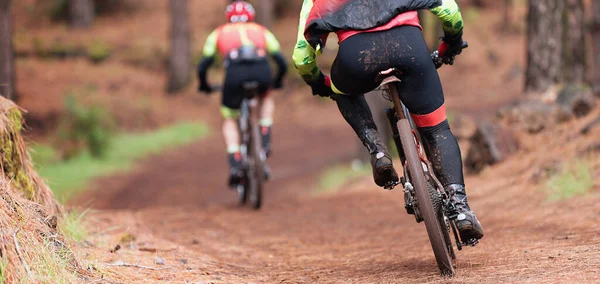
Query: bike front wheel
[(423, 199)]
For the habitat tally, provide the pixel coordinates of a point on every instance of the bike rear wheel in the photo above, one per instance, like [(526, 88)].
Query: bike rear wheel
[(424, 199)]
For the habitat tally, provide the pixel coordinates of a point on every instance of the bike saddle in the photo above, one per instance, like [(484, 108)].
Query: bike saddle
[(388, 76), (250, 85), (250, 88)]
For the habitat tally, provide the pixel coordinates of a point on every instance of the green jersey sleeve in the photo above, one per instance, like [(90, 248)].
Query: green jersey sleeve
[(305, 56), (272, 43), (449, 14), (210, 46)]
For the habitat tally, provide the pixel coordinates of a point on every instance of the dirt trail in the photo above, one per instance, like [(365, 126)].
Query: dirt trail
[(360, 235)]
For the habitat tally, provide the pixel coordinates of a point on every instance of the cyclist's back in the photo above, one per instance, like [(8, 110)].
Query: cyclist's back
[(232, 36)]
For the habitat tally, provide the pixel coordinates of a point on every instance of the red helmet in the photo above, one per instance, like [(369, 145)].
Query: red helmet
[(240, 11)]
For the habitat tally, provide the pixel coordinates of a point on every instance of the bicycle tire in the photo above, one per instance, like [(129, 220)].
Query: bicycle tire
[(242, 194), (436, 199), (256, 171), (423, 199)]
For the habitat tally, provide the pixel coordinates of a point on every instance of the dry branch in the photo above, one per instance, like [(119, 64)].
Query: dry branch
[(125, 264), (18, 249)]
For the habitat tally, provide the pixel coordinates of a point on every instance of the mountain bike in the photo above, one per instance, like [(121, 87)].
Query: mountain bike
[(424, 195), (253, 155)]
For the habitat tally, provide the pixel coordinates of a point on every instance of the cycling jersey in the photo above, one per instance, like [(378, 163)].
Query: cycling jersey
[(232, 36), (316, 21)]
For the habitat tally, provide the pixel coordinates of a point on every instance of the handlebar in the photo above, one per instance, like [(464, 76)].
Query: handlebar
[(438, 60)]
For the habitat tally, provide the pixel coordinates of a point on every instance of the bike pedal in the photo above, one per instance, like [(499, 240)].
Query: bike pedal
[(390, 185), (471, 242)]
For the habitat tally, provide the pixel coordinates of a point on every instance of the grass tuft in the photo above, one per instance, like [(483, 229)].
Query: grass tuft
[(73, 225), (98, 51), (573, 179), (70, 176), (337, 176)]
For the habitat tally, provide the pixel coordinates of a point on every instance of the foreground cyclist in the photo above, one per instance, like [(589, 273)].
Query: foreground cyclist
[(244, 46), (375, 36)]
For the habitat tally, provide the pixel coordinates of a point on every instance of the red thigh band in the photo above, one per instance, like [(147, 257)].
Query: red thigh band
[(431, 119)]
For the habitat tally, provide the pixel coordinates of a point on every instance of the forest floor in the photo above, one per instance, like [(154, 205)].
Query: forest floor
[(176, 207)]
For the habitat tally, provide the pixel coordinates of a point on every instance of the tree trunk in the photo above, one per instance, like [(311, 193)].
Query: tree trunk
[(265, 12), (595, 32), (180, 62), (81, 13), (507, 19), (7, 60), (574, 42), (544, 46)]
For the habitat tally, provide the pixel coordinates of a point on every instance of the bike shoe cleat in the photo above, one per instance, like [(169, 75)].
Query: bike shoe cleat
[(384, 173), (471, 242), (390, 185)]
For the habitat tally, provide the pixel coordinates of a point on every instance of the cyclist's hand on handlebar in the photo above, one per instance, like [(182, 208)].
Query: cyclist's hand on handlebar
[(321, 87), (205, 88), (450, 48)]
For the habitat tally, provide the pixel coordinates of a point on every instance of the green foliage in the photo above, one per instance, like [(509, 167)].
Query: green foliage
[(13, 156), (43, 154), (573, 179), (62, 49), (69, 176), (57, 49), (72, 225), (337, 176), (39, 48), (84, 128), (98, 51)]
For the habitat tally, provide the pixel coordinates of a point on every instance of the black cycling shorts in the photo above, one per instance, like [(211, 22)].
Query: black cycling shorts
[(239, 73), (362, 56)]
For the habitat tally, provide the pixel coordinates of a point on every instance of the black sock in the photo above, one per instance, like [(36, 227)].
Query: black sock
[(444, 153), (357, 113)]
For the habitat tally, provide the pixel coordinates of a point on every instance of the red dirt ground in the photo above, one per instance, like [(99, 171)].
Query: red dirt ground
[(177, 204)]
